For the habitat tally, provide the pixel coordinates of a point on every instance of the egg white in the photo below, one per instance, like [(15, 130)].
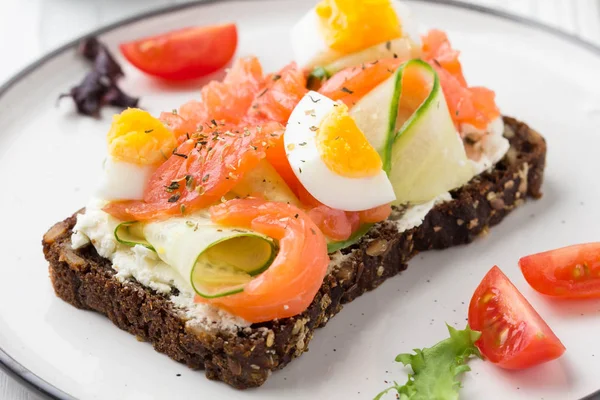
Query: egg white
[(331, 189), (123, 180), (310, 49)]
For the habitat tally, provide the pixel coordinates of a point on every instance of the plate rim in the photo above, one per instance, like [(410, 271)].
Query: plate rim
[(46, 390)]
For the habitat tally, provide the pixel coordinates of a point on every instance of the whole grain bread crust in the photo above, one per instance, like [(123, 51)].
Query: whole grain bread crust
[(246, 358)]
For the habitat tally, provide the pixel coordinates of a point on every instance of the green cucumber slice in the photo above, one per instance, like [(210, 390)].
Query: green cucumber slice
[(265, 179), (131, 234), (316, 78), (219, 261), (427, 157), (332, 247), (402, 48), (420, 149), (376, 113)]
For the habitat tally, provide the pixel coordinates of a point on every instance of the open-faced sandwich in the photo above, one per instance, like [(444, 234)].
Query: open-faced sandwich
[(227, 231)]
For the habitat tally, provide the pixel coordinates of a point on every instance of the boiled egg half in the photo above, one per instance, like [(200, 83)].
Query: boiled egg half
[(337, 28), (332, 158), (138, 144)]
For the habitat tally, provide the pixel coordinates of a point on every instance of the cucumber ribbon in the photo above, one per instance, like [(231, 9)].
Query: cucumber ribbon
[(415, 136), (217, 260)]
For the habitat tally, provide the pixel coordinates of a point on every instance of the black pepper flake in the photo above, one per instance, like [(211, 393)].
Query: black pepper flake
[(187, 135), (388, 45), (261, 94), (436, 62), (299, 169), (174, 198), (149, 131), (205, 178), (276, 77), (182, 208), (212, 121), (313, 231), (175, 153), (346, 90), (395, 55), (313, 100), (313, 128), (296, 216), (302, 144)]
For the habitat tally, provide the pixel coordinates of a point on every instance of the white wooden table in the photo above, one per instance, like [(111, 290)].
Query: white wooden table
[(30, 28)]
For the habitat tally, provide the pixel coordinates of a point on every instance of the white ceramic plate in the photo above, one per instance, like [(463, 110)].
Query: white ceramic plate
[(49, 157)]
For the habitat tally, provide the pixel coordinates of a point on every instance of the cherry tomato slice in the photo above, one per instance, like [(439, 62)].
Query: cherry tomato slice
[(188, 53), (571, 272), (513, 335)]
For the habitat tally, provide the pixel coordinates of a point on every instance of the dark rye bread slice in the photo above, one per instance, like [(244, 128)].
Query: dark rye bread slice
[(246, 359)]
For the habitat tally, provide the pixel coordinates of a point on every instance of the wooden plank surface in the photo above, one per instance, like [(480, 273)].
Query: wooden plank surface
[(46, 24)]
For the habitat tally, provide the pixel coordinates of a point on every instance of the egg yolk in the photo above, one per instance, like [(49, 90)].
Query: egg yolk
[(137, 137), (353, 25), (344, 148)]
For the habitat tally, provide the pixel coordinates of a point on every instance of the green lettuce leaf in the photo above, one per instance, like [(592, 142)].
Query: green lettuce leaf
[(436, 369)]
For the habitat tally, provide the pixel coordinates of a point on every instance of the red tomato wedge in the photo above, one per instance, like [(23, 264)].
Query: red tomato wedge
[(571, 272), (513, 335), (201, 171), (290, 284), (351, 84), (188, 53)]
